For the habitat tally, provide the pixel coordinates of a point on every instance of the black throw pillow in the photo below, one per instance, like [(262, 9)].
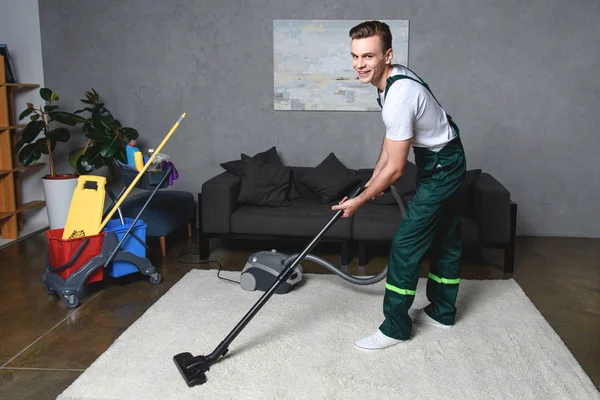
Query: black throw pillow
[(264, 184), (268, 156), (271, 157), (236, 167), (330, 180)]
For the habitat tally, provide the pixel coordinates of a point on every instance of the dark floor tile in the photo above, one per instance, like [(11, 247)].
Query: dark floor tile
[(34, 384), (27, 312), (103, 316)]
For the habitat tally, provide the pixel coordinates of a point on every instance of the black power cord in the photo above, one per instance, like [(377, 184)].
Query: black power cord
[(193, 251)]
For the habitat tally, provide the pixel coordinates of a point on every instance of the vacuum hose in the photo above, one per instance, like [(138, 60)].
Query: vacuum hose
[(350, 278)]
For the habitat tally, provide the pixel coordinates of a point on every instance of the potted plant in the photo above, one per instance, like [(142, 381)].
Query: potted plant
[(107, 138), (58, 188)]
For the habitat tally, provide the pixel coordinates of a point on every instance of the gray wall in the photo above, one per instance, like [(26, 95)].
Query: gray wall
[(519, 77)]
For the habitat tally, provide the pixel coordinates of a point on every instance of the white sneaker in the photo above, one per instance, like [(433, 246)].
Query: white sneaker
[(421, 316), (377, 340)]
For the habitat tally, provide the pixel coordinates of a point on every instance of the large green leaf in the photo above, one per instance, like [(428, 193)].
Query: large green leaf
[(109, 148), (29, 154), (26, 112), (109, 123), (46, 94), (42, 145), (129, 134), (31, 131), (20, 143), (60, 134), (65, 117), (89, 161), (51, 108), (93, 152), (96, 135), (89, 109), (97, 119)]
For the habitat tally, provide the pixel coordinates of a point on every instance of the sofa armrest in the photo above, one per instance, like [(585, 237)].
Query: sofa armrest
[(219, 201), (491, 209)]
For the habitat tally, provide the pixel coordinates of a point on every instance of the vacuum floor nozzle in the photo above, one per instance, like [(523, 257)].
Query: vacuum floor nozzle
[(192, 368)]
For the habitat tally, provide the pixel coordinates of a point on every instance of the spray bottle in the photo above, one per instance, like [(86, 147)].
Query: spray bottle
[(134, 156)]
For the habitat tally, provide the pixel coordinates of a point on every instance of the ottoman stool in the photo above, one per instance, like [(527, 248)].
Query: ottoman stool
[(167, 211)]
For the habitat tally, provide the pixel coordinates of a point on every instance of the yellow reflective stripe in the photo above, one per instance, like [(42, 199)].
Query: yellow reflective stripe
[(405, 292), (444, 280)]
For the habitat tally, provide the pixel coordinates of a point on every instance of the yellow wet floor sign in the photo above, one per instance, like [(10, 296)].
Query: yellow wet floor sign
[(87, 207)]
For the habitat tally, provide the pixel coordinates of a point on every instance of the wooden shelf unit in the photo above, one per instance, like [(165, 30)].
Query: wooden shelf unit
[(11, 208)]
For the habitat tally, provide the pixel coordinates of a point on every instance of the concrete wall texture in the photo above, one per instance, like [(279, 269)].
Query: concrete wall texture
[(519, 77)]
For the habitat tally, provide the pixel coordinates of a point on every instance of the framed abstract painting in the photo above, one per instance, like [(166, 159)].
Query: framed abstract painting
[(313, 65)]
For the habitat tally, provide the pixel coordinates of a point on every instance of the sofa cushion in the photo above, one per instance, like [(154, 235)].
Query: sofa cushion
[(330, 180), (302, 219), (264, 184)]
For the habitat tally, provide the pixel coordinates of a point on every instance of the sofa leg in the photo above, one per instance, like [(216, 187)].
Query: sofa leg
[(362, 253), (189, 226), (163, 245), (509, 251), (345, 252)]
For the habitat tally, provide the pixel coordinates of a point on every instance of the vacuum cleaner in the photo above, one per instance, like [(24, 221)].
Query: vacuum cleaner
[(262, 270), (263, 267), (193, 368)]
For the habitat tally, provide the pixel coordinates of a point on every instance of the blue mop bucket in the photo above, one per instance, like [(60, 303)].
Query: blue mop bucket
[(131, 245)]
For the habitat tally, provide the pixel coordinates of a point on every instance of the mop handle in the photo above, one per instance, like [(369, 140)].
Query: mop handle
[(139, 175)]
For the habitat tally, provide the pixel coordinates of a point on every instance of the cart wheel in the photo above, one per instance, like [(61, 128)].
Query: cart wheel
[(49, 290), (156, 278), (71, 301)]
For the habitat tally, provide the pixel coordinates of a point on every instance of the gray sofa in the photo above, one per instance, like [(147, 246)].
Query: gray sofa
[(234, 205)]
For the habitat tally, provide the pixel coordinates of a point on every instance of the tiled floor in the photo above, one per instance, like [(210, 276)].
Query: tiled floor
[(44, 346)]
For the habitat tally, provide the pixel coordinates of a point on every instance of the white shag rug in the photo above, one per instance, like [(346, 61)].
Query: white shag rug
[(300, 346)]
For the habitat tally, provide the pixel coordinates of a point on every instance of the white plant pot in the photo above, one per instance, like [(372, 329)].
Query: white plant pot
[(58, 193)]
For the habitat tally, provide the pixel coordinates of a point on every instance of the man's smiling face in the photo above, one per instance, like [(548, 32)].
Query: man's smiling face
[(369, 60)]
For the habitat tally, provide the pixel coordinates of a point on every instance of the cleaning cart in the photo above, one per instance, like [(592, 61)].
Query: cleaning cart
[(119, 249), (92, 243)]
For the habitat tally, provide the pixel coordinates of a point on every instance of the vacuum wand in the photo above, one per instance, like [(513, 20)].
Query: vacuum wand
[(193, 369)]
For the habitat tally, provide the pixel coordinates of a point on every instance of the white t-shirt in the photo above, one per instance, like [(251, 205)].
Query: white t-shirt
[(411, 112)]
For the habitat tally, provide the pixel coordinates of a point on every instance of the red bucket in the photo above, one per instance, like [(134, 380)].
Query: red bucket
[(60, 251)]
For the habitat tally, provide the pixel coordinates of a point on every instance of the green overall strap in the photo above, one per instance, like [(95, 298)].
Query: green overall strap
[(395, 78)]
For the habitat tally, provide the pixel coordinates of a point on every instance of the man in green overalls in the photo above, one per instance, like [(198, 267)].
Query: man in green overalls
[(412, 117)]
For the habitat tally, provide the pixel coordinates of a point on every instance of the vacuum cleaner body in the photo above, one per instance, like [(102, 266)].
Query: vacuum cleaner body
[(263, 268)]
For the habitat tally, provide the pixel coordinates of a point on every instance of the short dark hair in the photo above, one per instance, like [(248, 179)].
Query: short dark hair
[(371, 28)]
